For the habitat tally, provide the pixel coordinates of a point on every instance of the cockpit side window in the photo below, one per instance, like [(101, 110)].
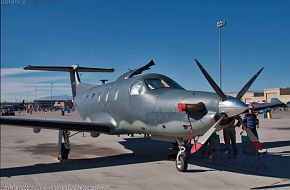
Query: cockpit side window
[(172, 83), (137, 88), (156, 83)]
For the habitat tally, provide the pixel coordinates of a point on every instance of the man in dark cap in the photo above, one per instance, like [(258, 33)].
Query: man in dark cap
[(251, 121)]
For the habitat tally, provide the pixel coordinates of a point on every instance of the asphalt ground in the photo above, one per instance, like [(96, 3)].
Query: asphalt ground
[(28, 161)]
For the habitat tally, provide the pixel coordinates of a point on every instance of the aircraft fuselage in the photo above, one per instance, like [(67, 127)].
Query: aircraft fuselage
[(150, 111)]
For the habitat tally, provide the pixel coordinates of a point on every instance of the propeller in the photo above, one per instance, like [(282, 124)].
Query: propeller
[(229, 105), (217, 88), (247, 86)]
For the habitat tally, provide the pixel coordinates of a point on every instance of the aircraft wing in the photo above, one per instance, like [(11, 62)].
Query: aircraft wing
[(56, 124)]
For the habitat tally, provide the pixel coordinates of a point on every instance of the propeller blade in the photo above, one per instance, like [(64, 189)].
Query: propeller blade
[(211, 82), (250, 134), (248, 85), (202, 140)]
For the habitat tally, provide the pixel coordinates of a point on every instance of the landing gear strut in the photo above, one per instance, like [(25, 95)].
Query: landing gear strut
[(181, 162), (64, 147)]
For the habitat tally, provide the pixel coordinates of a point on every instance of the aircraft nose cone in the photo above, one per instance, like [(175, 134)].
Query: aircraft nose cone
[(232, 107)]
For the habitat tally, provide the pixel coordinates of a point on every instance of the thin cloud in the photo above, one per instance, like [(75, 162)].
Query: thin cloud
[(7, 57), (15, 86), (14, 71)]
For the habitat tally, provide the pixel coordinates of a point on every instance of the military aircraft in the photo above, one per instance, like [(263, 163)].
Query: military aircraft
[(274, 103), (14, 107), (143, 103), (20, 106)]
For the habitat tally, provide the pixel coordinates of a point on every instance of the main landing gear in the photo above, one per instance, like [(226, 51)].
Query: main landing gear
[(63, 147), (181, 162)]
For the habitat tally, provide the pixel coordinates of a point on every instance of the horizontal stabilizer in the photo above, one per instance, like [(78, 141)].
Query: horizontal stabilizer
[(73, 70), (67, 69)]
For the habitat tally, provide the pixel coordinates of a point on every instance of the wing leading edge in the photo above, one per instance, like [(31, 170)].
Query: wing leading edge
[(56, 124)]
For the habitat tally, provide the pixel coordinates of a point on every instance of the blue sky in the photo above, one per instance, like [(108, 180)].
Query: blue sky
[(129, 33)]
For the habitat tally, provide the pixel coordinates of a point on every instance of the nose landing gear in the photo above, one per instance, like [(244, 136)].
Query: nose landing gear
[(181, 161)]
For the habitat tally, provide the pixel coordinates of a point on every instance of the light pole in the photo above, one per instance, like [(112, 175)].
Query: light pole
[(51, 95), (27, 100), (27, 95), (34, 104), (35, 94), (219, 25)]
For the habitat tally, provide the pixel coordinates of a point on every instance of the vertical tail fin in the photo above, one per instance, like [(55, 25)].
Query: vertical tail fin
[(73, 70)]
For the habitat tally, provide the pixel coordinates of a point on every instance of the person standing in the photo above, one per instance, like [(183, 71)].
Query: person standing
[(229, 134), (251, 121)]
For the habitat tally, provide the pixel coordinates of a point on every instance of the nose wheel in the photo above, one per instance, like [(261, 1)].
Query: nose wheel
[(181, 162)]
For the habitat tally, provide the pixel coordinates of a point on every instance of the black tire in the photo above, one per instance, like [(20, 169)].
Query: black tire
[(64, 152), (182, 164)]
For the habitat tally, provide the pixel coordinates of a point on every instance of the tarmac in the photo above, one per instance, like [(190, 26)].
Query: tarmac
[(28, 161)]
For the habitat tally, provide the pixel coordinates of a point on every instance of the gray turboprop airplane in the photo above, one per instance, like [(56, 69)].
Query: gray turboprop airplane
[(149, 104)]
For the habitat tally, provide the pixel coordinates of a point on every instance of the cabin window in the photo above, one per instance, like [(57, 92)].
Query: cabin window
[(137, 88), (116, 95), (99, 97), (107, 96)]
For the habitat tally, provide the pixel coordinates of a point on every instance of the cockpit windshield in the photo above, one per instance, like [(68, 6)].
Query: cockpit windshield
[(156, 83)]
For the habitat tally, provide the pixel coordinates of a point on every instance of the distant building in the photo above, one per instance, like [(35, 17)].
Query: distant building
[(282, 94), (63, 103), (53, 103)]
